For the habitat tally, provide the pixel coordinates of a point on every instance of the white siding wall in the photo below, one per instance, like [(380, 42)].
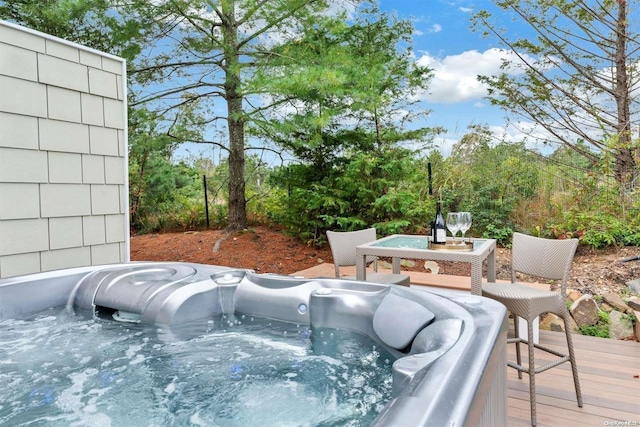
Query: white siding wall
[(63, 165)]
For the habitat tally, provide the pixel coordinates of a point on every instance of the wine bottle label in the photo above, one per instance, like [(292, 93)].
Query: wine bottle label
[(441, 236)]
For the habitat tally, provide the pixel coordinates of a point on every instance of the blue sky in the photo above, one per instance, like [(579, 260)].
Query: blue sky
[(444, 42)]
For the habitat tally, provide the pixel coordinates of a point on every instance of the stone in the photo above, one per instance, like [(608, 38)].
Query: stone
[(384, 265), (575, 295), (407, 263), (616, 302), (634, 286), (573, 326), (551, 322), (620, 327), (432, 266), (585, 311), (636, 326), (606, 307), (634, 303)]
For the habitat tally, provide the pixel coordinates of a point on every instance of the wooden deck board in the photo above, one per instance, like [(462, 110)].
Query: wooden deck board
[(607, 370)]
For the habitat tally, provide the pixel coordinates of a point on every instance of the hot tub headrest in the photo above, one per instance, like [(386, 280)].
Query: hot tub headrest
[(398, 320), (439, 336)]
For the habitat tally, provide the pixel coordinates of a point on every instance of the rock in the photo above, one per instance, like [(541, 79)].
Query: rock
[(432, 266), (407, 263), (634, 286), (384, 265), (606, 307), (634, 303), (551, 322), (573, 326), (575, 295), (616, 302), (620, 327), (636, 327), (585, 311)]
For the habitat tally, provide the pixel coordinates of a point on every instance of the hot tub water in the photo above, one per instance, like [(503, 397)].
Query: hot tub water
[(62, 370)]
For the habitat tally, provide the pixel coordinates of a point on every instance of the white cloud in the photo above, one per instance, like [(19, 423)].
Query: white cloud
[(465, 9), (532, 134), (455, 76), (444, 145), (435, 28), (521, 131)]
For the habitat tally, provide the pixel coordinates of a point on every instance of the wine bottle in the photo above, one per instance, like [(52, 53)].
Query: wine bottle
[(438, 231)]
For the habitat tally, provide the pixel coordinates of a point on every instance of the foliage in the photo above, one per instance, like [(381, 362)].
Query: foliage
[(214, 48), (571, 74), (600, 329), (361, 74), (602, 213), (366, 190), (162, 194), (356, 175), (167, 197), (490, 180), (598, 229), (118, 27), (501, 234)]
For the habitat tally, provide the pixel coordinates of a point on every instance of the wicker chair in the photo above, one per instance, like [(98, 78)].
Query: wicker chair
[(549, 259), (343, 249)]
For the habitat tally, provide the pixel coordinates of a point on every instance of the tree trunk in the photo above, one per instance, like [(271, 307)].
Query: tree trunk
[(625, 164), (237, 218)]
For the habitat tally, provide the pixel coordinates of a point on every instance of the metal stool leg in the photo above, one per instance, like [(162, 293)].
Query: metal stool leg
[(532, 373), (518, 354), (572, 359)]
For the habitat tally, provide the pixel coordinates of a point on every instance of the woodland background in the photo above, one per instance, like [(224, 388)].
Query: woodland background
[(312, 112)]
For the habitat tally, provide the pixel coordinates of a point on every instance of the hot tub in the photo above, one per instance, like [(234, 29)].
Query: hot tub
[(446, 350)]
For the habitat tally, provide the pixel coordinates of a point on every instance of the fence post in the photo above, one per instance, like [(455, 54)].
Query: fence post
[(206, 201)]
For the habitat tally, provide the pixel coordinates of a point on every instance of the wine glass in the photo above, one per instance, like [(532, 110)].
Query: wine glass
[(453, 224), (464, 219)]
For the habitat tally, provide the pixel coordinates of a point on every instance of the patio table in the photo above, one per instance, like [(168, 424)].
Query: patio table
[(400, 246)]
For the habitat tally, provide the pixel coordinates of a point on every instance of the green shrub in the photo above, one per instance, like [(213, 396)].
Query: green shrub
[(502, 235), (600, 229), (362, 190), (600, 329)]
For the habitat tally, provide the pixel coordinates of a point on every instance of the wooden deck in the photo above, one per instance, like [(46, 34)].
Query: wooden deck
[(460, 283), (608, 371)]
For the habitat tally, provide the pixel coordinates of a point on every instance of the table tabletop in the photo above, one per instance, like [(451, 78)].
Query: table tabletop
[(399, 246), (419, 244)]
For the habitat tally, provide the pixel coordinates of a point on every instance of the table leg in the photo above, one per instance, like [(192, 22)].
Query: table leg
[(491, 266), (395, 265), (361, 267), (476, 278)]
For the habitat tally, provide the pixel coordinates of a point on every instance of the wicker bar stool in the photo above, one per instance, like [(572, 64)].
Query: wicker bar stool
[(549, 259)]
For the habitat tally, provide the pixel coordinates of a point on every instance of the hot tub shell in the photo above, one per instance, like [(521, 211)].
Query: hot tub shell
[(450, 347)]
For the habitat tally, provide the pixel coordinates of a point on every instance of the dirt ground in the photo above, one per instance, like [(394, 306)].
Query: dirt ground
[(268, 250)]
